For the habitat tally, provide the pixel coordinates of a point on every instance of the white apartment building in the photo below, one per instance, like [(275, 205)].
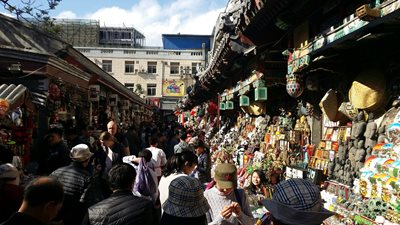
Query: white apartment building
[(150, 67)]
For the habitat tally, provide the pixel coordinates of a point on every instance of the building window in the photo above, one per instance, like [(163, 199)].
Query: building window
[(106, 51), (151, 67), (174, 68), (85, 50), (194, 68), (151, 52), (129, 66), (129, 52), (151, 89), (196, 53), (107, 65), (130, 86)]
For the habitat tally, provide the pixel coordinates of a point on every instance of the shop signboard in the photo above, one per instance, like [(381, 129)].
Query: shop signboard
[(126, 104), (294, 172), (173, 88), (113, 100), (315, 175), (94, 93)]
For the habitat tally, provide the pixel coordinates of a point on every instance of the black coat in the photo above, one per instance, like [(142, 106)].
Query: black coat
[(122, 208), (54, 157), (75, 180), (100, 157)]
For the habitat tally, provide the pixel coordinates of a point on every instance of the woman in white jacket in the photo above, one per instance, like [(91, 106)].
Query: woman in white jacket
[(181, 164)]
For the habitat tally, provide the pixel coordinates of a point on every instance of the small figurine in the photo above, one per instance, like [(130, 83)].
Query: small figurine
[(370, 132), (381, 134), (360, 126)]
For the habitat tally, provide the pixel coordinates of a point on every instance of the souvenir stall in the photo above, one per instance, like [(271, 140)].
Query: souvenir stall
[(17, 116), (357, 152), (253, 139), (343, 71)]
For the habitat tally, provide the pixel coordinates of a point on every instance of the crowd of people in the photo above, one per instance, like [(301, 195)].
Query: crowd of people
[(156, 174)]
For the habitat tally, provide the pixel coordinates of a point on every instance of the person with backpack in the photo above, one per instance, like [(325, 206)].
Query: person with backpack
[(228, 204)]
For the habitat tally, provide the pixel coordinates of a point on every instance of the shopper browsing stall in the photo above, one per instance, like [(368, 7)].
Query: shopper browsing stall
[(257, 190), (203, 170), (181, 164), (296, 202), (229, 205)]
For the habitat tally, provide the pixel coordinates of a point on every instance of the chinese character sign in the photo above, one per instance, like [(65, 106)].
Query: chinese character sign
[(173, 88)]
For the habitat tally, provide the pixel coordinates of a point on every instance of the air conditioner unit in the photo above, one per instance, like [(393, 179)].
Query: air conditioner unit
[(143, 71), (260, 94), (136, 70)]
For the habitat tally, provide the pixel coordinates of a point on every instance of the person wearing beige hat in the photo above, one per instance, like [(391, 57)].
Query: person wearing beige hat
[(75, 179), (229, 205)]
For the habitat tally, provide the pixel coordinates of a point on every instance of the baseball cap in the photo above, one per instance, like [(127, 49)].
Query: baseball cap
[(226, 175)]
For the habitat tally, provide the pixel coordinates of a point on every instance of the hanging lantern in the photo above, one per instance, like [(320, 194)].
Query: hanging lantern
[(294, 85), (228, 105), (244, 100), (222, 106), (260, 94)]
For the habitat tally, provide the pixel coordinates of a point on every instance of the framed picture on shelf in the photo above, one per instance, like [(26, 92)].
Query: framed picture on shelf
[(328, 133), (340, 134), (348, 133), (331, 155), (322, 145), (335, 146), (335, 134), (328, 145)]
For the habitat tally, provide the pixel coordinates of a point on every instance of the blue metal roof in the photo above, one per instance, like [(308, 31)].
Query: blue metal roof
[(185, 41)]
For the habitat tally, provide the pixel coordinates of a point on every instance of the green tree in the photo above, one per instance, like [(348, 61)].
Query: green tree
[(139, 89), (35, 12)]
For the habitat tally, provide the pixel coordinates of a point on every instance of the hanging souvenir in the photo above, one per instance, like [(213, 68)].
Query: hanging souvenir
[(294, 85), (4, 106)]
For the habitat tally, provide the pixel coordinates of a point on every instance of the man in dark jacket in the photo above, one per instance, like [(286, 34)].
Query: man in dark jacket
[(75, 180), (122, 207), (57, 153), (123, 146), (43, 198)]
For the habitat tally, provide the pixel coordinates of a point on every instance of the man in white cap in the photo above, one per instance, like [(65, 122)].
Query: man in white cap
[(75, 179)]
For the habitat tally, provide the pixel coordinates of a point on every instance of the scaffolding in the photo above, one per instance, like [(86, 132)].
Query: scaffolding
[(88, 33), (79, 32), (121, 37)]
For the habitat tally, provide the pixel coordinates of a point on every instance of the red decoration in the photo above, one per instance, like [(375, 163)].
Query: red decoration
[(228, 177), (212, 109)]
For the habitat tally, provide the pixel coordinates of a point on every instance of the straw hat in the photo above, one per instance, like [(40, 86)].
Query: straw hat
[(297, 202), (368, 90), (186, 198)]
